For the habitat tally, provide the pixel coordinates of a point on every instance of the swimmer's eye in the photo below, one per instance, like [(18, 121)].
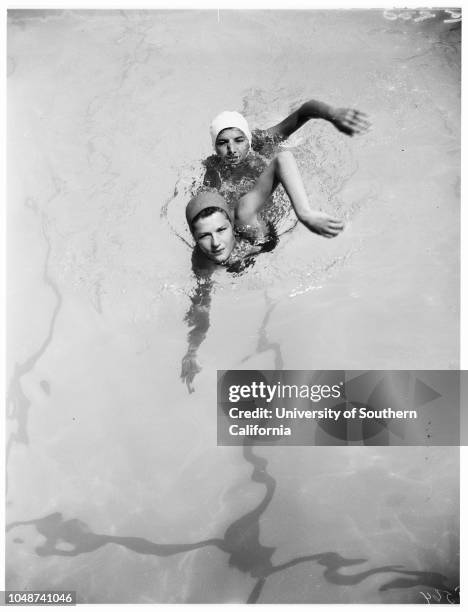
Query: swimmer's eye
[(219, 143), (222, 228), (240, 139)]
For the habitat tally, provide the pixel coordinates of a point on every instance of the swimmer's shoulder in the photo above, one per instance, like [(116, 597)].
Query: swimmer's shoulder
[(258, 138), (246, 250), (212, 161), (256, 238), (212, 176), (265, 142)]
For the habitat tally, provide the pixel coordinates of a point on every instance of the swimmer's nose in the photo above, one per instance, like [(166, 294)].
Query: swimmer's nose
[(215, 242), (230, 147)]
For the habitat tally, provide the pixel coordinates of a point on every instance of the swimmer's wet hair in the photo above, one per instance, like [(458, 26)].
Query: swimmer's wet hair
[(207, 212)]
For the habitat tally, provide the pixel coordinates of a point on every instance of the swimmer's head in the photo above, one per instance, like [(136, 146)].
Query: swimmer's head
[(211, 223), (231, 137)]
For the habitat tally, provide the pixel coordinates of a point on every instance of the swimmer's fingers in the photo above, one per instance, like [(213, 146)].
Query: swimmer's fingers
[(327, 234), (331, 233), (351, 121), (360, 123), (357, 114), (190, 369), (188, 380), (335, 225), (321, 223), (335, 222), (333, 228)]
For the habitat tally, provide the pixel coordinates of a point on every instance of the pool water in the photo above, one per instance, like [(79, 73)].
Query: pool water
[(116, 488)]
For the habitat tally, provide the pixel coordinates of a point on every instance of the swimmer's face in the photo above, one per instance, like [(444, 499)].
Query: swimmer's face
[(214, 236), (232, 145)]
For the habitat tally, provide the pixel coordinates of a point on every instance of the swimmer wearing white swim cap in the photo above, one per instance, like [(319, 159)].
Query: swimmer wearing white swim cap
[(241, 154), (231, 137)]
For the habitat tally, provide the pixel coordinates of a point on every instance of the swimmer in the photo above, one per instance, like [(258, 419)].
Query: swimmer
[(231, 239), (240, 154), (213, 223)]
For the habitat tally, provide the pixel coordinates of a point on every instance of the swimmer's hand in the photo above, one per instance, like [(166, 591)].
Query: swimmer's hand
[(321, 223), (190, 369), (350, 121)]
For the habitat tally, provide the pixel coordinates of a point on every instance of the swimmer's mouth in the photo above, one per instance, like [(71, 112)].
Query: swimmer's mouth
[(221, 256), (216, 253)]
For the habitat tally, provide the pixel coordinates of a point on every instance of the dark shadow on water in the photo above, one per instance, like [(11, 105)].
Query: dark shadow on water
[(263, 343), (241, 542), (18, 404)]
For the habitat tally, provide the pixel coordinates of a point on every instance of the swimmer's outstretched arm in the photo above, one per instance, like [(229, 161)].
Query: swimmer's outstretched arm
[(283, 169), (347, 120), (198, 320)]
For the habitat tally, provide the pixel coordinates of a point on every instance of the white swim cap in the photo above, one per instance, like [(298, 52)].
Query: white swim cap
[(229, 119)]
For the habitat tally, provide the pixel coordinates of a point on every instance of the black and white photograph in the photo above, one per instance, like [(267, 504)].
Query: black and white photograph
[(198, 199)]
